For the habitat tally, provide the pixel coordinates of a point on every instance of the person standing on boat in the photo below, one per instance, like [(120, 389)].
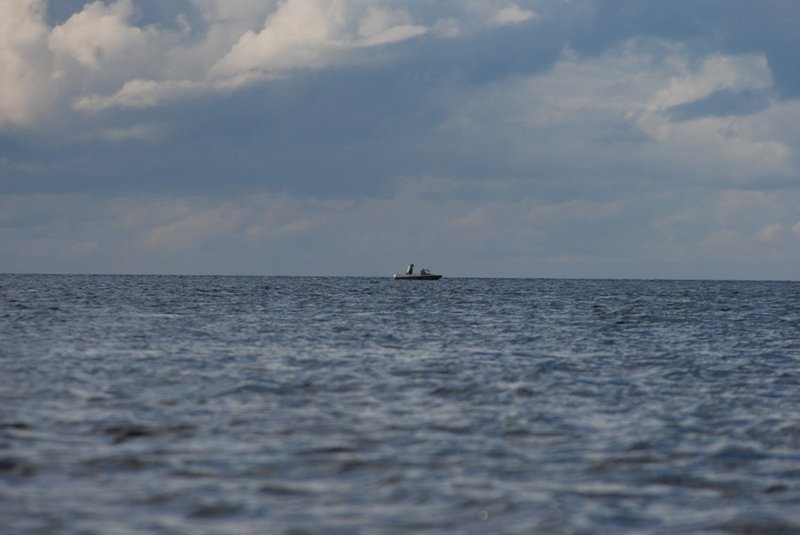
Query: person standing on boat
[(410, 270)]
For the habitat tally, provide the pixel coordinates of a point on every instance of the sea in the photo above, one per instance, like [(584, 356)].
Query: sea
[(359, 405)]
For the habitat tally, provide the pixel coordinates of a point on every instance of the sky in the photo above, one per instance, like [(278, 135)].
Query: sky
[(478, 138)]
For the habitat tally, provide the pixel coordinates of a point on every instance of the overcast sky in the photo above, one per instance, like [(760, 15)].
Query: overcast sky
[(535, 138)]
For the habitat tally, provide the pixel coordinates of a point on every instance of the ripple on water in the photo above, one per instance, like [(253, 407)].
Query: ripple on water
[(319, 405)]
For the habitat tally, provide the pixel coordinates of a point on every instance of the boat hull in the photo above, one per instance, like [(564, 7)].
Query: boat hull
[(428, 277)]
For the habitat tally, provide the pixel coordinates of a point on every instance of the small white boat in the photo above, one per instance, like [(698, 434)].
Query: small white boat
[(423, 275)]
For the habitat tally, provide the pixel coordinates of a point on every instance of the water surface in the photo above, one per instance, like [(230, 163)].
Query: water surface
[(184, 405)]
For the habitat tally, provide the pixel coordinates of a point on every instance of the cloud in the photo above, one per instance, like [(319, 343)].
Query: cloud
[(621, 123), (138, 132), (194, 228), (38, 62), (512, 14), (716, 73), (24, 62), (391, 34), (661, 234), (609, 138), (770, 232), (722, 103), (140, 94), (449, 28), (297, 34), (100, 34), (312, 34)]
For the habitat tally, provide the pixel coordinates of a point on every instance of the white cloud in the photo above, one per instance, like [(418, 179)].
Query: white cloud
[(25, 89), (613, 111), (295, 35), (393, 34), (243, 42), (140, 94), (101, 34), (512, 14), (235, 49), (314, 34), (385, 26), (717, 72)]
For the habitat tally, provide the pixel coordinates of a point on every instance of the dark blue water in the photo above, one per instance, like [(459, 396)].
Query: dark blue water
[(185, 405)]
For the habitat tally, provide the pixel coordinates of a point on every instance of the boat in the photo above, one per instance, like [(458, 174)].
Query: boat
[(423, 275), (417, 277)]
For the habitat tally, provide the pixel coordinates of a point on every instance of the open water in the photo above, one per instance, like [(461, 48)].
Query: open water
[(244, 405)]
